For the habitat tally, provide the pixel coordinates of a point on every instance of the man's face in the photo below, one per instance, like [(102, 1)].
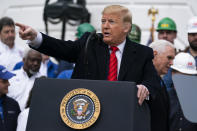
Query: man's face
[(4, 86), (167, 35), (32, 62), (7, 35), (164, 60), (192, 38), (113, 29)]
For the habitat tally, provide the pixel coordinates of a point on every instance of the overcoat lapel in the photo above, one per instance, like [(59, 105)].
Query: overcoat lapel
[(128, 59), (102, 56)]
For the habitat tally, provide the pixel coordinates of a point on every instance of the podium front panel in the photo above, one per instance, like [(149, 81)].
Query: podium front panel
[(119, 106)]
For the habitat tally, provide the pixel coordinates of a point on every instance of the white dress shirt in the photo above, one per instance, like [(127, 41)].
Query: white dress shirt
[(22, 120), (43, 68), (20, 86), (10, 56), (37, 41)]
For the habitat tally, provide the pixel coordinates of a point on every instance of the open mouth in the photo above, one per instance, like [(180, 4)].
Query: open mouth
[(106, 34)]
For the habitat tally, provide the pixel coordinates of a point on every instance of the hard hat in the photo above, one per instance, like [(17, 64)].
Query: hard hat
[(192, 25), (135, 34), (166, 24), (82, 28), (184, 63)]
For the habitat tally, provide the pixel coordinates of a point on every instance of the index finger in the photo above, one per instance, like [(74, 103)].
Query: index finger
[(139, 90), (20, 26)]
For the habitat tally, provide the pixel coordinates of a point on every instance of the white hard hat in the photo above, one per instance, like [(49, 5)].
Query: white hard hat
[(192, 25), (184, 63)]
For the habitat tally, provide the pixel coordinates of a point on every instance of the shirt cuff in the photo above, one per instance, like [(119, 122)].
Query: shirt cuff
[(36, 43), (147, 98)]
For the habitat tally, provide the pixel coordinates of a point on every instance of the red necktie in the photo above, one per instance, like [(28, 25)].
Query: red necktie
[(113, 64)]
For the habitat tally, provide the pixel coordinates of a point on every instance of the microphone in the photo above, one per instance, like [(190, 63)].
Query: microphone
[(99, 36), (93, 36)]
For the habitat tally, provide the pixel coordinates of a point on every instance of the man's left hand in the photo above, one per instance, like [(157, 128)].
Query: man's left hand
[(142, 93)]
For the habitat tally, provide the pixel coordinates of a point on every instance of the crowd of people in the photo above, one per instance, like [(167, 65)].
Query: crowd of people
[(118, 56)]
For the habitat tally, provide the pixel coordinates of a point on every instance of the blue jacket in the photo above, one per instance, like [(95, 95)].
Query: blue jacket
[(11, 111), (167, 78), (51, 68), (18, 65), (66, 74)]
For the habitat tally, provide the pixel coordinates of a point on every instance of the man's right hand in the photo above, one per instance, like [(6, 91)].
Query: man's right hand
[(26, 32)]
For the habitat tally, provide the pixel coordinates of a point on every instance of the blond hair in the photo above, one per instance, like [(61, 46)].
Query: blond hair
[(119, 10)]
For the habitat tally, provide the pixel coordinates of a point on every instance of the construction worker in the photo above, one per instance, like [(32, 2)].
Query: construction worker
[(192, 37), (85, 27), (135, 34), (167, 29)]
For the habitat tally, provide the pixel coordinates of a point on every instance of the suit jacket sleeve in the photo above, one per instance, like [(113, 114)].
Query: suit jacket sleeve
[(150, 77), (65, 50)]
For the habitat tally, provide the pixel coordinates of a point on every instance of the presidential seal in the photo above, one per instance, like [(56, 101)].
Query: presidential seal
[(80, 108)]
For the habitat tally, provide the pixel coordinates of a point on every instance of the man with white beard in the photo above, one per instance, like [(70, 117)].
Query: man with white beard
[(22, 83)]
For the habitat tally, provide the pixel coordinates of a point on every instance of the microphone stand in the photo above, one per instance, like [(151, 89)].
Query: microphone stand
[(93, 35)]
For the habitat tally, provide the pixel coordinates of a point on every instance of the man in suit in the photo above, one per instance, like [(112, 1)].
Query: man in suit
[(164, 53), (133, 61)]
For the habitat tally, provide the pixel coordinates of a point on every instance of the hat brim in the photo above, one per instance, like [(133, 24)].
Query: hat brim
[(165, 29), (186, 71), (7, 75), (192, 31)]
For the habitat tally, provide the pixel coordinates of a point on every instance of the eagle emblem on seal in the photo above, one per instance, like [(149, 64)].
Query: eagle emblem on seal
[(80, 109)]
